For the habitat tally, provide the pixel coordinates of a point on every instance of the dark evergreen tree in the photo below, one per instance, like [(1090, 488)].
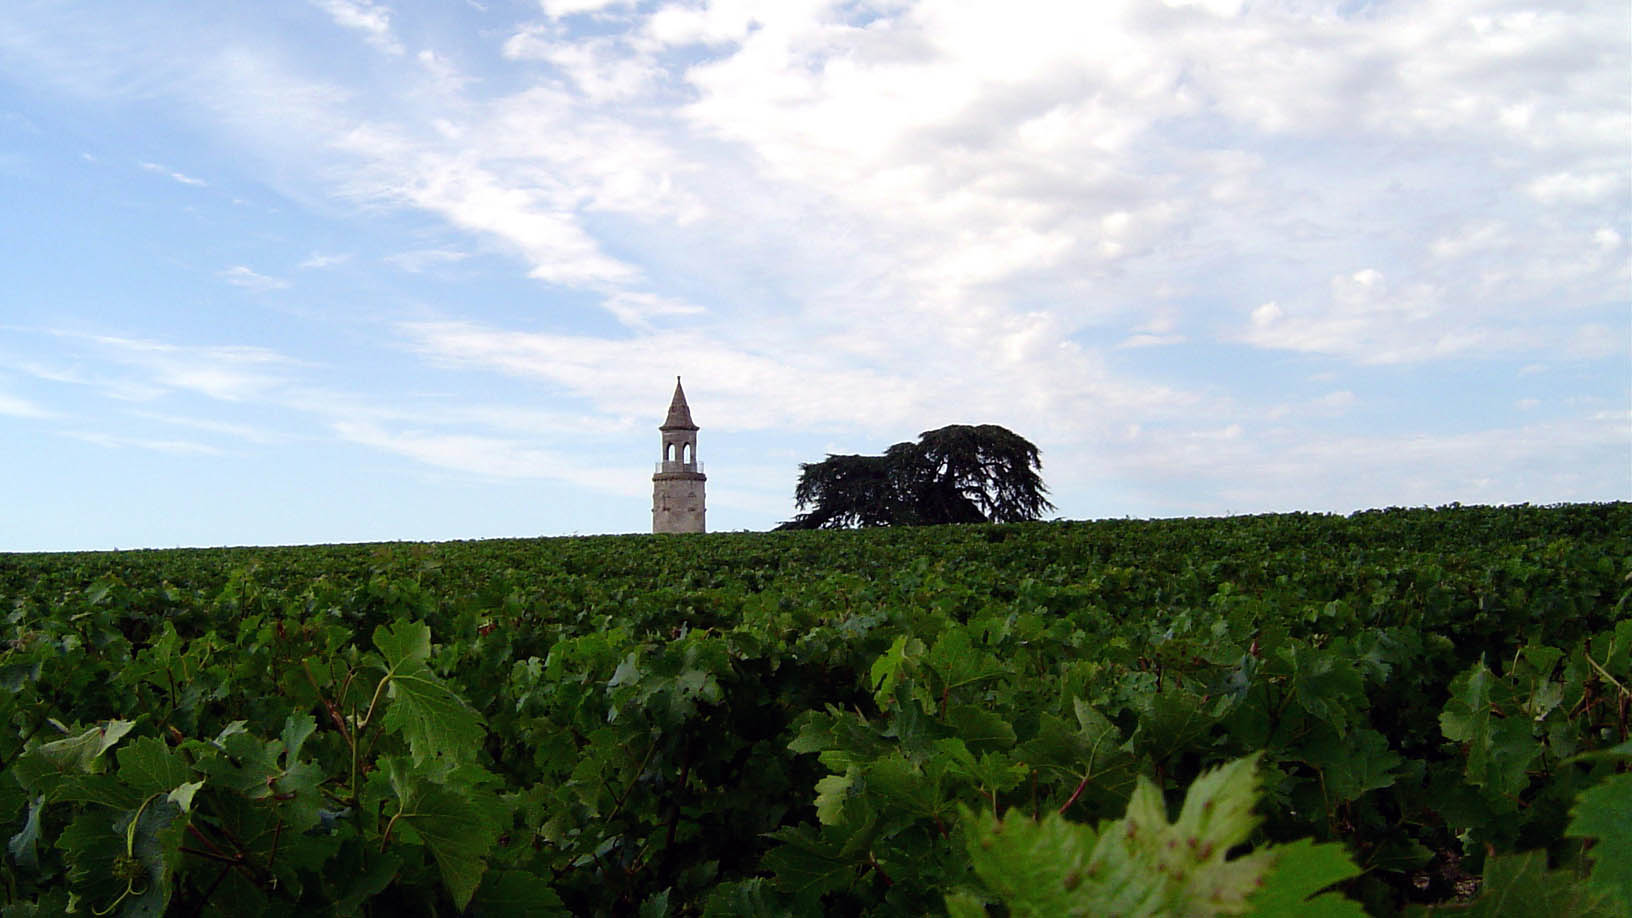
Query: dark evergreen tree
[(956, 474)]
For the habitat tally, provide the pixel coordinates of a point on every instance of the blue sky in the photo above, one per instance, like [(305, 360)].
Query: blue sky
[(346, 270)]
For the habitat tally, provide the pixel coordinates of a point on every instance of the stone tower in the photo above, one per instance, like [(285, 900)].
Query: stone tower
[(677, 488)]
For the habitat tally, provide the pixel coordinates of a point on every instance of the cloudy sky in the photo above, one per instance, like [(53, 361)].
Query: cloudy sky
[(352, 270)]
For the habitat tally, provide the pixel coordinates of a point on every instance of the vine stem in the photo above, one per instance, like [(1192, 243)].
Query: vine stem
[(334, 714), (214, 885), (1605, 673), (1081, 786), (231, 862), (385, 837), (631, 788)]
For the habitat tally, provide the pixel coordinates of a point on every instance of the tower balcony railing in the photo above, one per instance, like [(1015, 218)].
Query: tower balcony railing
[(677, 466)]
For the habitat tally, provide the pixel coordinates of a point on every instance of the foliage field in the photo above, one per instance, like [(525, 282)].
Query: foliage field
[(1397, 710)]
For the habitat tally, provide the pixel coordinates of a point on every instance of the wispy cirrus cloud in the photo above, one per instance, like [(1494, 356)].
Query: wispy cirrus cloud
[(318, 260), (143, 369), (172, 447), (17, 407), (372, 20), (420, 260), (493, 457), (171, 173), (250, 279)]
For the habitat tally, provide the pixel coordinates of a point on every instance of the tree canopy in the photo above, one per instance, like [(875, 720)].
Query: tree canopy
[(956, 474)]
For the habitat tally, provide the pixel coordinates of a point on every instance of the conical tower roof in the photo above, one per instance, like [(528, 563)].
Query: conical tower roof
[(679, 412)]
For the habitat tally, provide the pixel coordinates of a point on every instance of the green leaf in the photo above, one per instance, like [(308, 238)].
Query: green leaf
[(297, 729), (1302, 869), (459, 827), (300, 796), (1500, 749), (77, 754), (151, 767), (1353, 763), (751, 898), (1326, 685), (886, 670), (104, 790), (655, 906), (964, 904), (431, 716), (832, 793), (114, 864), (369, 873), (979, 728), (1142, 866), (902, 788), (515, 892), (1036, 868), (23, 845), (808, 865), (1604, 813), (183, 795)]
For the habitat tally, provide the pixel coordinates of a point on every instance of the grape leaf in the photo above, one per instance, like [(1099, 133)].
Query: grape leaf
[(1352, 763), (807, 865), (1302, 869), (1604, 813), (832, 793), (747, 899), (24, 845), (111, 862), (1142, 865), (151, 767), (431, 716), (459, 827), (1500, 749), (78, 754), (515, 892)]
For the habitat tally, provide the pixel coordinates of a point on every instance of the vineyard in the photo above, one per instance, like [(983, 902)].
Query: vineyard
[(1403, 711)]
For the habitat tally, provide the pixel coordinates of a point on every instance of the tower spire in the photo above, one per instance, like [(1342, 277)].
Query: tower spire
[(679, 412)]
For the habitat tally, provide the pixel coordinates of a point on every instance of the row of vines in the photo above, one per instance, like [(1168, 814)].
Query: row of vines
[(1398, 710)]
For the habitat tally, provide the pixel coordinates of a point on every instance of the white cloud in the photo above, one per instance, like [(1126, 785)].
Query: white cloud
[(226, 373), (603, 69), (1300, 469), (172, 447), (1368, 320), (556, 9), (492, 457), (1341, 400), (15, 407), (1568, 187), (421, 260), (530, 216), (177, 176), (447, 77), (248, 433), (373, 20), (249, 279), (747, 389), (1595, 341), (1027, 380), (637, 310), (1478, 237), (321, 260)]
